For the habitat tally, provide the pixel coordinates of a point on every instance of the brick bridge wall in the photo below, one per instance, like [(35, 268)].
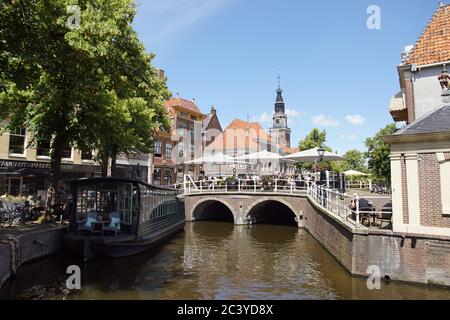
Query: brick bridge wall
[(404, 257)]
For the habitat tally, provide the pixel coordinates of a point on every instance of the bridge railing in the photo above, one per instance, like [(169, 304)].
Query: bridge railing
[(282, 186), (350, 208)]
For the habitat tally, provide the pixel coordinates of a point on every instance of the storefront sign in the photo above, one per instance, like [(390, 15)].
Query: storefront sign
[(23, 164)]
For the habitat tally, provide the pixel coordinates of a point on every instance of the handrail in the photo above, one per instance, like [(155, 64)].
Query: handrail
[(335, 202), (244, 185)]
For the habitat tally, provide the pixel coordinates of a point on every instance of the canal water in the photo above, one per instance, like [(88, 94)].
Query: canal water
[(213, 260)]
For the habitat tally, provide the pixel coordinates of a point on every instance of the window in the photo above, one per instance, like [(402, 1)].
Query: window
[(168, 151), (17, 141), (158, 149), (43, 147), (67, 153), (183, 114), (167, 177), (86, 155), (193, 118), (192, 151), (157, 177), (182, 124), (181, 150), (181, 127)]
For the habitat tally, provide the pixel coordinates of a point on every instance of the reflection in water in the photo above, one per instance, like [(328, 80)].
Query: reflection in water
[(214, 260)]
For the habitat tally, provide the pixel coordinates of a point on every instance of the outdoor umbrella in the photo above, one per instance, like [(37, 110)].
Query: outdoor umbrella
[(312, 155), (261, 155), (218, 158), (355, 173)]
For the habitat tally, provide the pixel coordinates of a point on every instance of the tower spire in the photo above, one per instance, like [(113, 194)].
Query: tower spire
[(279, 103), (279, 80)]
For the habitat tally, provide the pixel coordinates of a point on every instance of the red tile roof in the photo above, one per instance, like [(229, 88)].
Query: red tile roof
[(244, 125), (433, 45), (287, 150), (183, 103), (240, 135)]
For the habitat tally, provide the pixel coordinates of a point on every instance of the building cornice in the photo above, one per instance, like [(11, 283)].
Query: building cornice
[(418, 137)]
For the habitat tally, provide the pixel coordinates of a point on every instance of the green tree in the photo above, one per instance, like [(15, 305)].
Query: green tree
[(355, 160), (314, 139), (90, 86), (378, 153)]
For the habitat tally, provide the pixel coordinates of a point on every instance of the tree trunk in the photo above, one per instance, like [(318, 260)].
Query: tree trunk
[(104, 164), (57, 148), (114, 162)]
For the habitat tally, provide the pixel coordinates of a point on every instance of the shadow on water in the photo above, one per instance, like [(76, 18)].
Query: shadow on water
[(277, 235), (272, 212), (213, 211)]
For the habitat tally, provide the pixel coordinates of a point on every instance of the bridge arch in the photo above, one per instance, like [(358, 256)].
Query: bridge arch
[(214, 209), (273, 211)]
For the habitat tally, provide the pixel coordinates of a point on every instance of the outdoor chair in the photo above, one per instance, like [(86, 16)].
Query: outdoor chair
[(114, 223), (366, 215), (88, 224), (386, 214)]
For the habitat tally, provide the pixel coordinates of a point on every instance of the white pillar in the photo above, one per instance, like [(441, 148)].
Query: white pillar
[(397, 192), (412, 174), (445, 178)]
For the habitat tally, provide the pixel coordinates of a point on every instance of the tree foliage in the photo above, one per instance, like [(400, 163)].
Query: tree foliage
[(355, 160), (314, 139), (378, 153), (90, 87)]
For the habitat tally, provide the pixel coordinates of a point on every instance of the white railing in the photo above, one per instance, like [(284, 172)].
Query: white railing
[(366, 185), (282, 186), (349, 208)]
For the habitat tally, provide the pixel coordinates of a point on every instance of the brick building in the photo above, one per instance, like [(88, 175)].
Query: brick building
[(420, 152), (420, 66)]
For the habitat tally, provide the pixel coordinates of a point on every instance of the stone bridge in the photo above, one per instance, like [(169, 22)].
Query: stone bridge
[(242, 209)]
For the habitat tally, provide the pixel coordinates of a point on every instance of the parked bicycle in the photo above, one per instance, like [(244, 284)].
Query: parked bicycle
[(11, 213)]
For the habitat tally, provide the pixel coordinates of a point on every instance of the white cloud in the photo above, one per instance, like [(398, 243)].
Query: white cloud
[(263, 118), (325, 121), (268, 118), (167, 17), (291, 113), (357, 120), (349, 137)]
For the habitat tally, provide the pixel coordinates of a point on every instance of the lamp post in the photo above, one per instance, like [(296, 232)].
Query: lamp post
[(321, 152)]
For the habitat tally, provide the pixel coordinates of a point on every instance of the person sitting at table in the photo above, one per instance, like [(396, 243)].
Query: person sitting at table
[(363, 203)]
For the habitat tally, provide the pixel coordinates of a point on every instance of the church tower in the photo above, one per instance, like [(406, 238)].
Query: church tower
[(280, 132)]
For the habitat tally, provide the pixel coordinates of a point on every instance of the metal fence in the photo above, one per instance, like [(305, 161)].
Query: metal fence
[(351, 208), (285, 186)]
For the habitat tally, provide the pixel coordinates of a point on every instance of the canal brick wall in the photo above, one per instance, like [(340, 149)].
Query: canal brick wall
[(399, 256), (22, 247)]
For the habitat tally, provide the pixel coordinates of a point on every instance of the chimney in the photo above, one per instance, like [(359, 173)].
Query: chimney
[(406, 53), (444, 80), (441, 4), (160, 74)]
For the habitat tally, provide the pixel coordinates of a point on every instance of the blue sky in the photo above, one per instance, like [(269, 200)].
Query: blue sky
[(336, 73)]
